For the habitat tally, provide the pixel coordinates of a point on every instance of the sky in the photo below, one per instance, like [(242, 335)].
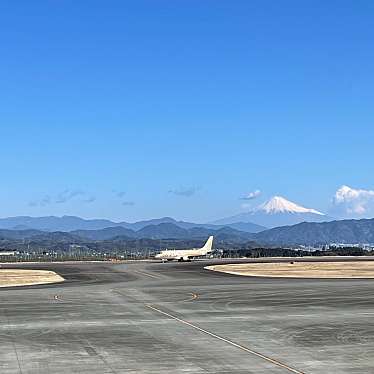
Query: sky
[(140, 109)]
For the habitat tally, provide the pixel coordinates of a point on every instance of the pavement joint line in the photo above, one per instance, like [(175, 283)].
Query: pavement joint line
[(13, 342), (242, 347), (147, 274), (85, 344)]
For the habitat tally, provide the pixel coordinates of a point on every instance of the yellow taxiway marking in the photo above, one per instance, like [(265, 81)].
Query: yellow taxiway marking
[(194, 296), (242, 347)]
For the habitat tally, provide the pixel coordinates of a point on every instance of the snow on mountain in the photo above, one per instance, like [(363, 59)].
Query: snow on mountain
[(277, 211), (279, 204)]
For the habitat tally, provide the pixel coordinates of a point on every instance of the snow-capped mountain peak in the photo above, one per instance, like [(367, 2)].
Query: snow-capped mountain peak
[(277, 211), (279, 204)]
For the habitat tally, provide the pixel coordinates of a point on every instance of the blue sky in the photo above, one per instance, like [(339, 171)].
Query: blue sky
[(139, 109)]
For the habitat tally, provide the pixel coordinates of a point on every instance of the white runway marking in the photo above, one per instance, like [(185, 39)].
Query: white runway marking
[(242, 347)]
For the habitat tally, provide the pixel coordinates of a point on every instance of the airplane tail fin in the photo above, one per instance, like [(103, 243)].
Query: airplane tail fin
[(208, 245)]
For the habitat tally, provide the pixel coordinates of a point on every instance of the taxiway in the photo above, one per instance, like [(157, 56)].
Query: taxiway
[(179, 318)]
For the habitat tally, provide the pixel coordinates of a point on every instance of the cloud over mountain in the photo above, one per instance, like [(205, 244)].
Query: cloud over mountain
[(251, 195), (44, 201), (90, 200), (128, 203), (62, 198), (185, 191), (353, 203), (67, 195), (119, 194)]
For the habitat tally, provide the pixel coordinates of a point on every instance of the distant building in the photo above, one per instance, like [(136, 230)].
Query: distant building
[(77, 247), (309, 248), (8, 253), (365, 246)]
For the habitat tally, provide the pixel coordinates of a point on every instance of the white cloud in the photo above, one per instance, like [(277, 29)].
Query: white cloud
[(353, 203), (251, 195)]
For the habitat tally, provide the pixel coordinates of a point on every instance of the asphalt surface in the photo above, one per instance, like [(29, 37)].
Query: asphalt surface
[(180, 318)]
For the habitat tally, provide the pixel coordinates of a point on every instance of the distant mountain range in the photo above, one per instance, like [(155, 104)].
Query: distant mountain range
[(72, 223), (306, 233), (294, 221), (52, 223), (311, 233), (159, 231), (277, 211)]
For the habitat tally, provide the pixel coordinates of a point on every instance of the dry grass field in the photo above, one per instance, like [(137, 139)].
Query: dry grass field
[(20, 277), (342, 269)]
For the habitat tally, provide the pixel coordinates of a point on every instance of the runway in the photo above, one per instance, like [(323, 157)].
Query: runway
[(179, 318)]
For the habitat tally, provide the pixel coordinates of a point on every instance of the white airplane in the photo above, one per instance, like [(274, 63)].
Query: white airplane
[(186, 254)]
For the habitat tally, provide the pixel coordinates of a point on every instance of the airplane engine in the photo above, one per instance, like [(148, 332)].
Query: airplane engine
[(184, 258)]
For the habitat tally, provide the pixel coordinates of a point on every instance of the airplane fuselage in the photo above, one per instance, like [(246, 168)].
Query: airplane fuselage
[(186, 254), (180, 254)]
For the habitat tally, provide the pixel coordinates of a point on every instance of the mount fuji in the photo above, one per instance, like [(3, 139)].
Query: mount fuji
[(275, 212)]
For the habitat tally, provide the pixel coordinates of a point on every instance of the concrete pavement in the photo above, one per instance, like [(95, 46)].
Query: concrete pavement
[(180, 318)]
